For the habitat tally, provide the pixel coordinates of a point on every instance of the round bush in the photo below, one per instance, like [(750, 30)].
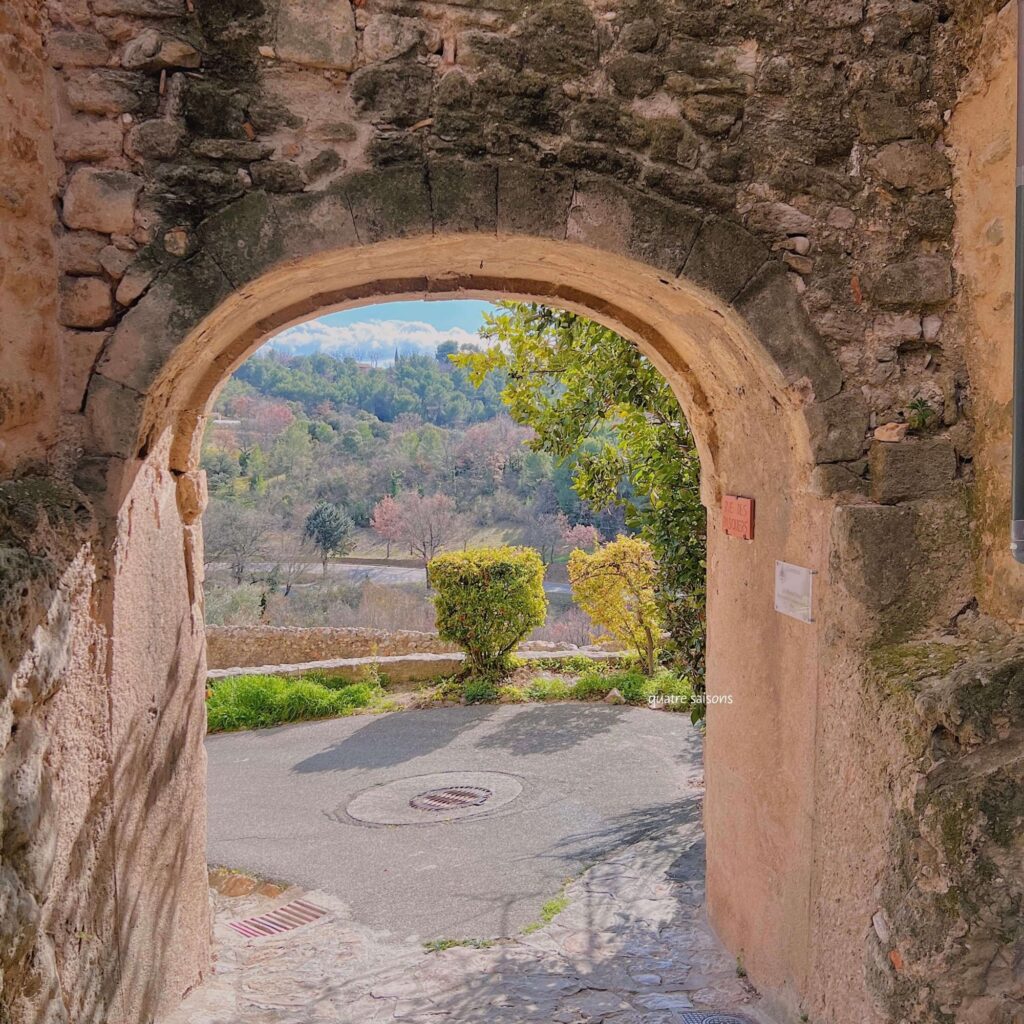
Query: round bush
[(487, 601)]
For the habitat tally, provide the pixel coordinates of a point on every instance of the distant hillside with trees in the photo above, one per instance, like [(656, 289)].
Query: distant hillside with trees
[(417, 456)]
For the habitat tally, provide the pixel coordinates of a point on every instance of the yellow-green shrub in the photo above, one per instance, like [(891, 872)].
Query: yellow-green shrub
[(487, 600), (615, 586)]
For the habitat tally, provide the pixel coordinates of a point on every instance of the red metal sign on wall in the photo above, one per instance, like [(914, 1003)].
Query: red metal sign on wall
[(738, 517)]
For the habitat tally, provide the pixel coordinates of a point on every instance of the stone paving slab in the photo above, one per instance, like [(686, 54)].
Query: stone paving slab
[(632, 947)]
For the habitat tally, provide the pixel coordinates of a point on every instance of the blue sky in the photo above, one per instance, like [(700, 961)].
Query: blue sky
[(372, 333)]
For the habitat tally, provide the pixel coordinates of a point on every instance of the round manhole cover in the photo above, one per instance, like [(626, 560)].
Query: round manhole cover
[(450, 797), (432, 799)]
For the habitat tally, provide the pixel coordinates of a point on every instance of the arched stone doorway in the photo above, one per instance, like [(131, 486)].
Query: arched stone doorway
[(659, 166), (706, 302)]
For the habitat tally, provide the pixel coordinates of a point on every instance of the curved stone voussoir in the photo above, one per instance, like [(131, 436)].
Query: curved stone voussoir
[(260, 231), (724, 257), (774, 313), (150, 333), (463, 196), (614, 218), (534, 200), (114, 413), (390, 202)]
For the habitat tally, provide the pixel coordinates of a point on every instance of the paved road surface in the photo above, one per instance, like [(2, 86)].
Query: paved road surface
[(593, 780), (390, 575)]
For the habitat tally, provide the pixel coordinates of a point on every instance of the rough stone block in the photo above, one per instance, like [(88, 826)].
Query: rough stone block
[(79, 351), (192, 495), (115, 261), (84, 140), (875, 548), (140, 8), (913, 165), (278, 176), (882, 117), (533, 200), (109, 92), (160, 138), (389, 203), (837, 427), (724, 258), (835, 478), (779, 219), (152, 330), (77, 49), (653, 231), (315, 222), (80, 252), (773, 311), (85, 302), (114, 414), (101, 200), (317, 33), (241, 150), (386, 37), (911, 469), (151, 51), (463, 195), (922, 281), (134, 282), (394, 93)]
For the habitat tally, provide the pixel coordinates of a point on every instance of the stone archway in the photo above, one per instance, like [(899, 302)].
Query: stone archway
[(756, 194), (710, 306)]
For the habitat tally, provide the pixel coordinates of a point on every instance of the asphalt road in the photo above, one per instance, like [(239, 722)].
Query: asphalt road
[(577, 783), (387, 575)]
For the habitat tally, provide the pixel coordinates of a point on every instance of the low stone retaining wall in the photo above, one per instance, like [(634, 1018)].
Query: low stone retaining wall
[(400, 668), (252, 647), (248, 646)]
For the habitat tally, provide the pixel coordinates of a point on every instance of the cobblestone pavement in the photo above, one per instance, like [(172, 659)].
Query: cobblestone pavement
[(631, 947)]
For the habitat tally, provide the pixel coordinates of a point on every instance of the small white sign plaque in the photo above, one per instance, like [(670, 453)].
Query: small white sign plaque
[(793, 584)]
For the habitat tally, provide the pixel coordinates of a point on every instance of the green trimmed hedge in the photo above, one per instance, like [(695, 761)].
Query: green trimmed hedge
[(487, 601)]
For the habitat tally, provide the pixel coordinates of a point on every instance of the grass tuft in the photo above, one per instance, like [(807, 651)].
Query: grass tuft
[(258, 702)]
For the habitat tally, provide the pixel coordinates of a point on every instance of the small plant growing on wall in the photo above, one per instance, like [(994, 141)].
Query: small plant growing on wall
[(920, 415), (615, 586), (487, 601)]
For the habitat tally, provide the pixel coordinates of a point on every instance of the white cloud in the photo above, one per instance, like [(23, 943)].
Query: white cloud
[(369, 341)]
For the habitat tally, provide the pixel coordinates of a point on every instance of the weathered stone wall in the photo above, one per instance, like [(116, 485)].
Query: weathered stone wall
[(758, 192), (29, 382), (58, 921), (947, 939), (235, 646)]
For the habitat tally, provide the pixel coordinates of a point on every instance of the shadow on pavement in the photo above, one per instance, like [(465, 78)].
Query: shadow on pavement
[(658, 822), (389, 740), (547, 729)]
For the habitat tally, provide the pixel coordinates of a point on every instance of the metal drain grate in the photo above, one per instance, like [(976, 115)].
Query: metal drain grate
[(695, 1017), (284, 919), (449, 798)]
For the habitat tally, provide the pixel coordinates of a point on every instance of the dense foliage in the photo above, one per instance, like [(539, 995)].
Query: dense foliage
[(584, 389), (615, 586), (487, 601), (329, 529), (257, 702), (416, 385)]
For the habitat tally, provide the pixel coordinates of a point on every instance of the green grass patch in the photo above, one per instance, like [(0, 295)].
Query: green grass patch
[(440, 945), (479, 691), (257, 702), (545, 688), (549, 912)]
